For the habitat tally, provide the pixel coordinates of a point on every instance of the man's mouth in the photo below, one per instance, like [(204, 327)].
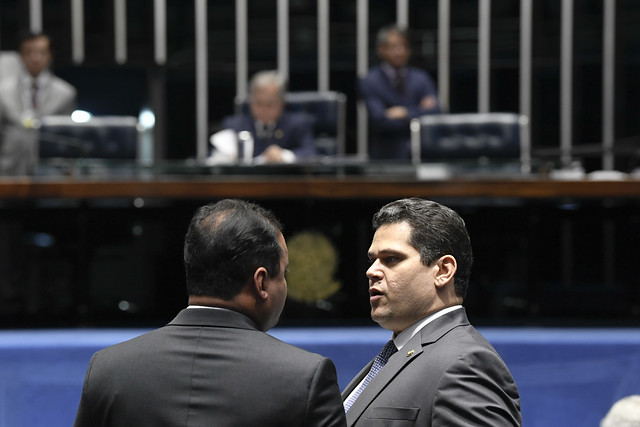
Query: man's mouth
[(374, 294)]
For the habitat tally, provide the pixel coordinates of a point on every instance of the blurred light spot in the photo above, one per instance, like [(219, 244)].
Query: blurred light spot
[(147, 119), (80, 116)]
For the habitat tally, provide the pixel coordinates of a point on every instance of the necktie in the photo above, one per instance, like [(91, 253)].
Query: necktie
[(398, 80), (380, 360), (34, 94)]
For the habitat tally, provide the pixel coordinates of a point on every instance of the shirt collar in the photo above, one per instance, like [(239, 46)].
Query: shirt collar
[(390, 71), (403, 337), (41, 79)]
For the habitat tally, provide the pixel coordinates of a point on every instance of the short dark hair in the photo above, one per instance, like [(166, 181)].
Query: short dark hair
[(436, 230), (383, 33), (224, 245), (28, 35)]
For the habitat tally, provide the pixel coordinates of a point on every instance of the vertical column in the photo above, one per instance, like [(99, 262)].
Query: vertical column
[(608, 84), (566, 82), (444, 24), (323, 45), (283, 38), (362, 68), (484, 51), (202, 86), (120, 25), (158, 79), (526, 31), (160, 31), (77, 31), (242, 68), (402, 13), (35, 15)]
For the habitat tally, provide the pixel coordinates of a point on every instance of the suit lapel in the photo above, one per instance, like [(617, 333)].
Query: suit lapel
[(410, 351), (356, 380), (396, 363)]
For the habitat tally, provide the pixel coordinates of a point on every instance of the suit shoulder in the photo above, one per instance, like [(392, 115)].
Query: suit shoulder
[(284, 347), (373, 75), (292, 119), (236, 122), (8, 84), (63, 86)]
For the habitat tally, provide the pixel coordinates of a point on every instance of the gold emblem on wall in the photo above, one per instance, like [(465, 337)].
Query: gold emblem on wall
[(312, 264)]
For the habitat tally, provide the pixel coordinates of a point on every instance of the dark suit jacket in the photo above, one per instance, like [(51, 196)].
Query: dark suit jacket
[(293, 131), (209, 368), (389, 139), (446, 375)]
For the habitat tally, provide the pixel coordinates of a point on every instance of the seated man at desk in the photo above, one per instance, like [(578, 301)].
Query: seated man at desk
[(32, 93), (395, 93), (278, 136)]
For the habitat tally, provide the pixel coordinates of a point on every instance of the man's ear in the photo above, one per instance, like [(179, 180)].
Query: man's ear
[(260, 276), (447, 267)]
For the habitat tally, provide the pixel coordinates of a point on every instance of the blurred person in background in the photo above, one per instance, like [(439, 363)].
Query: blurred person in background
[(624, 413), (395, 93), (278, 136), (34, 92)]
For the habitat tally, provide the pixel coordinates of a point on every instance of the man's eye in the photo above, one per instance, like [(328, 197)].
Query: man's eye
[(391, 260)]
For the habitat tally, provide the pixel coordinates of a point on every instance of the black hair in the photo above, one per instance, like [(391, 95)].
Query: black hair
[(436, 230), (225, 243)]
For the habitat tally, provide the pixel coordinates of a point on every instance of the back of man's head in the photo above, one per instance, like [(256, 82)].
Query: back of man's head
[(624, 413), (436, 230), (224, 245)]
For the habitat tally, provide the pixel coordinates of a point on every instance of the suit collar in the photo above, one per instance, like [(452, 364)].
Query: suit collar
[(208, 317), (410, 351), (440, 326)]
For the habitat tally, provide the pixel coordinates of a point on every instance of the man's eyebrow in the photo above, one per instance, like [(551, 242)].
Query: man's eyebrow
[(386, 252)]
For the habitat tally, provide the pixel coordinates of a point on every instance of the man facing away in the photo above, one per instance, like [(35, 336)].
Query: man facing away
[(213, 365), (441, 370), (26, 97), (278, 136), (395, 93)]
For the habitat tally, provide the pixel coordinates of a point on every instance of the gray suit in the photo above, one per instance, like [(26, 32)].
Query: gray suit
[(209, 368), (446, 375), (19, 143)]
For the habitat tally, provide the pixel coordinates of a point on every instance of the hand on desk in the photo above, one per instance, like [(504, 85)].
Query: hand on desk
[(396, 112), (275, 154), (429, 102)]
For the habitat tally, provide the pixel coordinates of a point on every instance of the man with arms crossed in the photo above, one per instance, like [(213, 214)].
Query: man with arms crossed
[(441, 371), (213, 365)]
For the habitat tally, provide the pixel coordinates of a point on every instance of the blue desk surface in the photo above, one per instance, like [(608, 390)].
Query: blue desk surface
[(566, 377)]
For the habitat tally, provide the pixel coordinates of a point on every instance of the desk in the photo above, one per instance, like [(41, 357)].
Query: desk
[(296, 187), (566, 377)]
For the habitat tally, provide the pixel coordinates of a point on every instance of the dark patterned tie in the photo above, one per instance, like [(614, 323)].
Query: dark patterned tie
[(380, 360), (34, 95), (399, 80)]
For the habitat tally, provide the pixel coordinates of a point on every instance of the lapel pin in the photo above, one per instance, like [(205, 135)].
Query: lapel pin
[(410, 353)]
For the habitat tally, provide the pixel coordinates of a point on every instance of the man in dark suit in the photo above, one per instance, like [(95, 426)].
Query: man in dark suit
[(439, 369), (213, 365), (278, 136), (395, 93), (32, 93)]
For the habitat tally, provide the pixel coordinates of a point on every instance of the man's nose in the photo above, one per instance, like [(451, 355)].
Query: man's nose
[(374, 270)]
